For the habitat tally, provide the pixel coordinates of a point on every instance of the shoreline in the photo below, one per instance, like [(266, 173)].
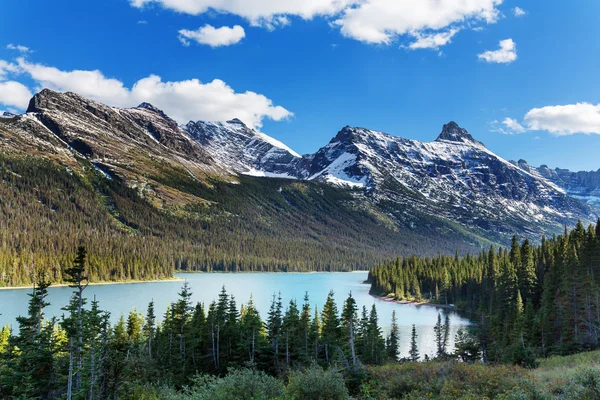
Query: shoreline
[(414, 303), (132, 282)]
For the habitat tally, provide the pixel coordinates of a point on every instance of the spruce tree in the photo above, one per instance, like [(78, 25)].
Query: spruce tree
[(393, 339), (331, 329), (349, 323), (414, 350)]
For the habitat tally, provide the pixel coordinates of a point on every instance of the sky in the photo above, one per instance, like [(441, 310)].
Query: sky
[(521, 76)]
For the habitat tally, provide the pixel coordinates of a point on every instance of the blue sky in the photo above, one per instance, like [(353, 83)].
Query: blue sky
[(300, 70)]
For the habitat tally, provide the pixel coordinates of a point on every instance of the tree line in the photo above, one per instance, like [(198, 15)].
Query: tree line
[(529, 300)]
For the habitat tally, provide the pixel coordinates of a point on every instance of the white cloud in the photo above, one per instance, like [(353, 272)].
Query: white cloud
[(91, 84), (433, 41), (519, 12), (213, 101), (369, 21), (565, 120), (18, 47), (559, 120), (183, 100), (513, 126), (505, 55), (14, 94), (214, 37), (6, 68), (258, 12), (380, 21)]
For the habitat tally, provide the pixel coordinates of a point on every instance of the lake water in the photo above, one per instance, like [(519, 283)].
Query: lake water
[(122, 298)]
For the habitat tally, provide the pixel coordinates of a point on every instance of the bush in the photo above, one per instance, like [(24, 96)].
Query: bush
[(315, 383), (238, 384), (584, 385), (450, 380)]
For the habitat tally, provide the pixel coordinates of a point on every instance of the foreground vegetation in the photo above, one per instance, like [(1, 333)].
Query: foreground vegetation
[(227, 352), (529, 301), (565, 378)]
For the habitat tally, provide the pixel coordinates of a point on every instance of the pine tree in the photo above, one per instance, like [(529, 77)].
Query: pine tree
[(376, 341), (77, 278), (305, 317), (466, 347), (414, 350), (439, 338), (393, 340), (330, 330), (446, 336), (150, 327), (349, 323), (274, 322)]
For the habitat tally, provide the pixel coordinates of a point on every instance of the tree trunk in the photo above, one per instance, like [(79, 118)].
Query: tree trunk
[(253, 336), (287, 347), (70, 379), (352, 344)]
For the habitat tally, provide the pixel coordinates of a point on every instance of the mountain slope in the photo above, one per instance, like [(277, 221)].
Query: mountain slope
[(582, 185), (239, 149), (455, 177), (148, 196)]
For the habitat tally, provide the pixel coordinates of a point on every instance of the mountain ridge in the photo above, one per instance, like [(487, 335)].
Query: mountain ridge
[(454, 178)]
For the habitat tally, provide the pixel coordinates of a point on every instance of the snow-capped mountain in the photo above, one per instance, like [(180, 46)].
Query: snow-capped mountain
[(407, 183), (241, 150), (6, 114), (454, 177), (582, 185), (141, 145)]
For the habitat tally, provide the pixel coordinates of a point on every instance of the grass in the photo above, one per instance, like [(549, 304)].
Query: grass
[(554, 373)]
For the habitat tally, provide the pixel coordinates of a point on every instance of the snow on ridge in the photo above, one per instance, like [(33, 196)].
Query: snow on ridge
[(277, 143)]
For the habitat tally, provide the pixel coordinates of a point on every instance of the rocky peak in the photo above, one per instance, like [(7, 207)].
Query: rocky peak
[(451, 132), (237, 121)]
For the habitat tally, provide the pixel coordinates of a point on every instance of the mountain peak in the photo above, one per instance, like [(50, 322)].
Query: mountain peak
[(149, 106), (236, 121), (451, 132)]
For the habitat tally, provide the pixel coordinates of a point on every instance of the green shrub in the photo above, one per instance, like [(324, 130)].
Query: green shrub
[(315, 383), (584, 385)]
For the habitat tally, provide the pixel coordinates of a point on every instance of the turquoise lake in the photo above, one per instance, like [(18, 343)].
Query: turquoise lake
[(122, 298)]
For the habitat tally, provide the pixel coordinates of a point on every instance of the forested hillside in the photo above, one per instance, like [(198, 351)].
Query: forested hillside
[(534, 300), (253, 224)]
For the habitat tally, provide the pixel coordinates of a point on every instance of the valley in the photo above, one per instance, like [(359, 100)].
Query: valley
[(148, 196)]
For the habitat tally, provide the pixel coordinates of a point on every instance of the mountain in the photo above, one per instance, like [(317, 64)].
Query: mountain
[(148, 196), (454, 177), (239, 149), (582, 185)]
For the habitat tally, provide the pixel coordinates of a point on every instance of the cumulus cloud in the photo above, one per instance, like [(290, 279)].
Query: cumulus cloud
[(506, 54), (519, 12), (561, 120), (213, 101), (380, 21), (565, 120), (91, 84), (369, 21), (433, 41), (214, 37), (18, 47), (183, 100), (257, 12), (14, 94)]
